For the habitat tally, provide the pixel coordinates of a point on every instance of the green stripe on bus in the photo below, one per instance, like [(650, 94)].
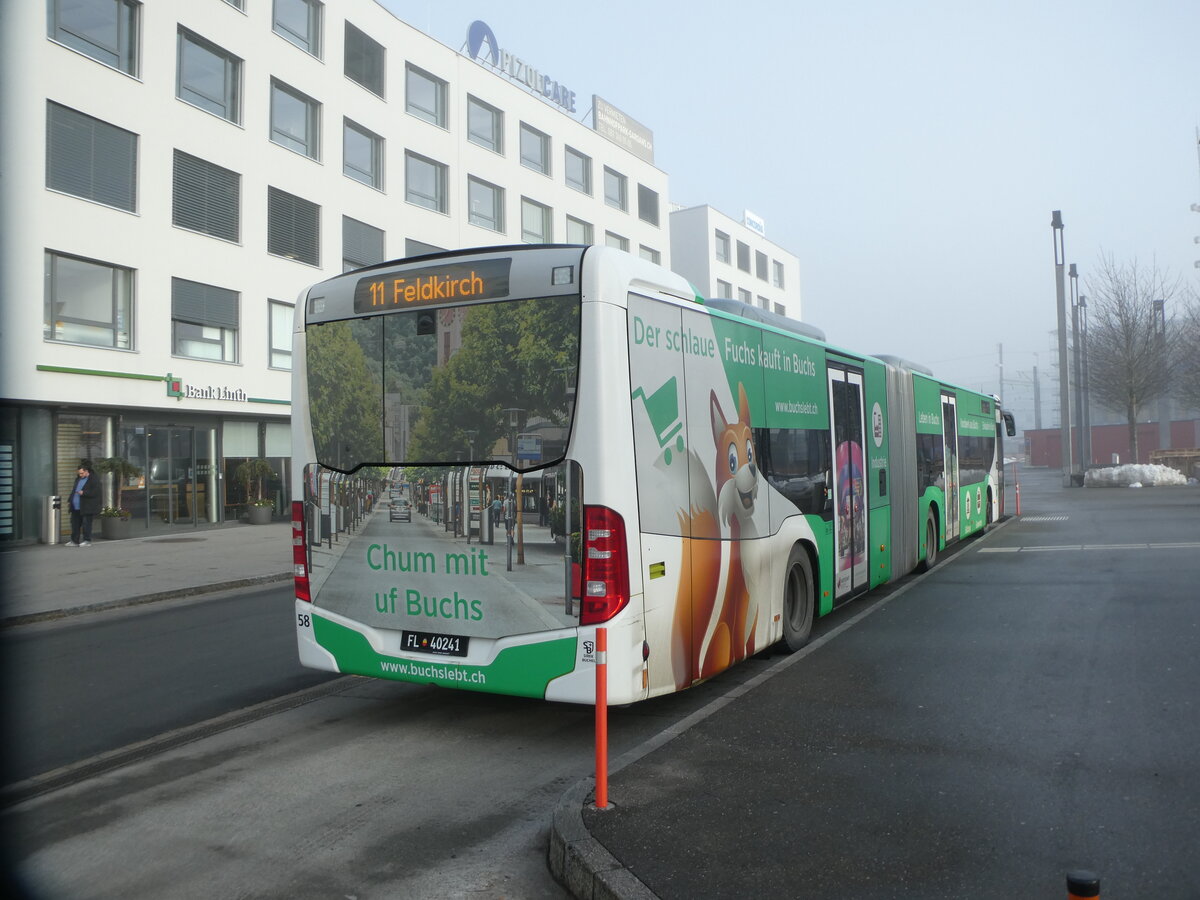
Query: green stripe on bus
[(523, 671)]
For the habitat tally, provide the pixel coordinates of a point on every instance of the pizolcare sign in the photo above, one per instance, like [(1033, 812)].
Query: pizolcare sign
[(482, 40)]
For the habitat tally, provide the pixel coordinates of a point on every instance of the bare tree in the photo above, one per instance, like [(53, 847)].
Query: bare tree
[(1131, 361)]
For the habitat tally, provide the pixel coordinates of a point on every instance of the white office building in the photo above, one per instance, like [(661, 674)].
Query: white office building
[(175, 172), (726, 257)]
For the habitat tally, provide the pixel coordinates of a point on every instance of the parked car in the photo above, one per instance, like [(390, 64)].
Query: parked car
[(400, 511)]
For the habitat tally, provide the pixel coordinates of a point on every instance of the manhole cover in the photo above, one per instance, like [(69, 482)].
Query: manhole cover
[(173, 540)]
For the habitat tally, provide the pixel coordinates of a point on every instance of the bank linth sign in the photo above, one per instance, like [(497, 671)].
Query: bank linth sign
[(482, 40), (180, 391)]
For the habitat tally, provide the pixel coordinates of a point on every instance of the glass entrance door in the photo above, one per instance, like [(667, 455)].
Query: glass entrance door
[(171, 475)]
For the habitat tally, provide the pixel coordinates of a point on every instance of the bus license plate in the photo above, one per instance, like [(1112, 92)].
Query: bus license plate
[(439, 644)]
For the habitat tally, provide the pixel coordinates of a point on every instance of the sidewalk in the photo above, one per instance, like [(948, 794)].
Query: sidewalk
[(48, 581)]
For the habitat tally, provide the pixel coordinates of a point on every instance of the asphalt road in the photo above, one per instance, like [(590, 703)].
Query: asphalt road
[(1027, 709), (91, 684)]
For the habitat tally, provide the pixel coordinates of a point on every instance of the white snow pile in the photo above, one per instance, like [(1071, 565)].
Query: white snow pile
[(1134, 476)]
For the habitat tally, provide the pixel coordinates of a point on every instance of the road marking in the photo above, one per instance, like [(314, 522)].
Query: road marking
[(1178, 546)]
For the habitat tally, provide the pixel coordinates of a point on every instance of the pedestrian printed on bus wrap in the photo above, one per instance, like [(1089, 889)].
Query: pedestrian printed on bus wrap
[(84, 505)]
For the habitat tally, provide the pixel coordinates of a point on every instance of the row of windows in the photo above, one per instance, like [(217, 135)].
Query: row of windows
[(725, 289), (210, 78), (88, 158), (723, 246), (91, 302)]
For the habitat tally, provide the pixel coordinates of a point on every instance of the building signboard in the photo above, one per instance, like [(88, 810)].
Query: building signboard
[(624, 131), (482, 40)]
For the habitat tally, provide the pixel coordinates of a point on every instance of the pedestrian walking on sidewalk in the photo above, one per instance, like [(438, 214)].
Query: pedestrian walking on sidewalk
[(85, 503)]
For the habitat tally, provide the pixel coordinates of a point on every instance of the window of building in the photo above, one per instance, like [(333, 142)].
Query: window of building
[(535, 149), (237, 4), (578, 231), (616, 189), (649, 253), (724, 289), (777, 270), (365, 59), (206, 198), (105, 30), (88, 302), (743, 256), (295, 120), (362, 154), (209, 77), (88, 158), (299, 21), (763, 302), (485, 204), (721, 242), (535, 222), (293, 227), (615, 240), (204, 321), (280, 320), (579, 171), (760, 265), (425, 96), (425, 182), (745, 296), (779, 310), (362, 244), (647, 205), (485, 125)]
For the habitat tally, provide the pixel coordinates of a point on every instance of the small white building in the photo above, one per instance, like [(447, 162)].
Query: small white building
[(724, 257), (176, 172)]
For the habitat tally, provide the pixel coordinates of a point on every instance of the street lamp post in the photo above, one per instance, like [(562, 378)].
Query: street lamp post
[(1086, 437), (1064, 378), (1078, 361), (1164, 412)]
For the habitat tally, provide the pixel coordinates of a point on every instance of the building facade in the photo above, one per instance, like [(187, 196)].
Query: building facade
[(176, 172), (724, 257)]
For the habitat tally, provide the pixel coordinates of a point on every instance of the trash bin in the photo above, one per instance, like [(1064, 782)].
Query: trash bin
[(51, 520)]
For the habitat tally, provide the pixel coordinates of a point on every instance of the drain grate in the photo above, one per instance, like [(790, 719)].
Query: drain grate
[(1060, 518), (174, 540)]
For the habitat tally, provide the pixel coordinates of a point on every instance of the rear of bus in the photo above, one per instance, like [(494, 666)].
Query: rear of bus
[(467, 387)]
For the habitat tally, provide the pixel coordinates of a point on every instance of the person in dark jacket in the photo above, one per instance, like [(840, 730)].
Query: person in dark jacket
[(85, 503)]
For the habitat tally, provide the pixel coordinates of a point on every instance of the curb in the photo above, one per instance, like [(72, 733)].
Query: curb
[(53, 614), (581, 863)]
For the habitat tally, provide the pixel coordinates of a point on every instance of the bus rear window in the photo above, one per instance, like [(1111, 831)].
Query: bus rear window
[(440, 386)]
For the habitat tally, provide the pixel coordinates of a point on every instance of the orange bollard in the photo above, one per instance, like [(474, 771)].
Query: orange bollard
[(601, 718), (1083, 885)]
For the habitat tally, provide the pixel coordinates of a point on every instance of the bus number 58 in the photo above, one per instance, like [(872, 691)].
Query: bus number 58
[(303, 621)]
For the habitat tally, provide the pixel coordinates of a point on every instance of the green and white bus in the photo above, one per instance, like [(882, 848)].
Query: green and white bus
[(580, 440)]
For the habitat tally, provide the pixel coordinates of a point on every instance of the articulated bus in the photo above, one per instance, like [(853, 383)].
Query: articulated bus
[(502, 449)]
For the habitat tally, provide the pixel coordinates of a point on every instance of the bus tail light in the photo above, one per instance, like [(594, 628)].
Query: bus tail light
[(605, 566), (299, 553)]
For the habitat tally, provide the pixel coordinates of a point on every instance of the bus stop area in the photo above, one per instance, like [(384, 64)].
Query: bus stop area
[(1025, 710)]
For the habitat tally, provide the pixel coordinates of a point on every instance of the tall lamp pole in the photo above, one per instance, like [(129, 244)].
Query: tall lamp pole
[(1164, 412), (1083, 460), (1086, 437), (1064, 378)]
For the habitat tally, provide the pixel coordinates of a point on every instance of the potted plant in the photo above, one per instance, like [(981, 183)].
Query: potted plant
[(115, 520), (251, 474)]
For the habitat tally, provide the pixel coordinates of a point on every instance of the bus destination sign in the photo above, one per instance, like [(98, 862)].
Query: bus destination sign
[(481, 279)]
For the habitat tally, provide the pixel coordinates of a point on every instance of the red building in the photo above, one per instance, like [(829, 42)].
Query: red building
[(1044, 446)]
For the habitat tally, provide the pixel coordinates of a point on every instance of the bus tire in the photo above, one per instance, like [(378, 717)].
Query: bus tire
[(798, 600), (931, 543), (987, 524)]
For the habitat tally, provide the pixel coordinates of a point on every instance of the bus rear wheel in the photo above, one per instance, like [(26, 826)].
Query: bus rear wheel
[(931, 543), (797, 601)]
